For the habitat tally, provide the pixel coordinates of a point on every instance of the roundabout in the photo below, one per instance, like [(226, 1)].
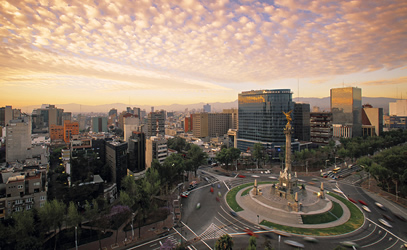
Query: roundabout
[(270, 210)]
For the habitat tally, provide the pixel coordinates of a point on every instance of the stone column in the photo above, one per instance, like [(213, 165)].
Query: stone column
[(287, 132)]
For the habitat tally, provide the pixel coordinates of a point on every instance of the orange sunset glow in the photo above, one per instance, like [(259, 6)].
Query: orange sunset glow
[(164, 52)]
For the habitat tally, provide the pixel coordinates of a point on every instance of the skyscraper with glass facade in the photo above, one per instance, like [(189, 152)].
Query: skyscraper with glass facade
[(346, 108), (261, 118)]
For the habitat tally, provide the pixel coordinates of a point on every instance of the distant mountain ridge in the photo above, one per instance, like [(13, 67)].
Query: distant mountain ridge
[(322, 103)]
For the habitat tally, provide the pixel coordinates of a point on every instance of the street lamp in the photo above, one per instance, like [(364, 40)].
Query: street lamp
[(132, 230), (326, 163), (76, 238), (335, 160)]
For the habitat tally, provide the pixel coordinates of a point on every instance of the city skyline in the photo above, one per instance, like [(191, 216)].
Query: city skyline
[(162, 53)]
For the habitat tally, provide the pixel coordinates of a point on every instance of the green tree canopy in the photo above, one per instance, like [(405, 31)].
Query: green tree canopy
[(225, 242)]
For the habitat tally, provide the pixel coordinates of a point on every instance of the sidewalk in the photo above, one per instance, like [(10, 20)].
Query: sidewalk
[(145, 234)]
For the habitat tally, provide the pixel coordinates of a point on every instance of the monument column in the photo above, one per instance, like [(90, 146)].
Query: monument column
[(287, 132)]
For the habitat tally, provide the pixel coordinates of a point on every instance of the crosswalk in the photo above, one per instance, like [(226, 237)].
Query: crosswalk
[(212, 232)]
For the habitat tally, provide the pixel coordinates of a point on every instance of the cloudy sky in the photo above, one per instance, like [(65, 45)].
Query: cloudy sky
[(164, 52)]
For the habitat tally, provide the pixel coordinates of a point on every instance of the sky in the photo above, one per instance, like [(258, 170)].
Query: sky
[(164, 52)]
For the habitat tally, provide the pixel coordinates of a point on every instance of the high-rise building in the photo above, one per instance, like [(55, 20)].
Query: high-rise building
[(137, 152), (346, 108), (131, 123), (261, 118), (235, 116), (187, 124), (56, 132), (70, 129), (18, 139), (116, 158), (156, 123), (46, 116), (207, 108), (301, 122), (398, 108), (156, 148), (372, 120), (211, 124), (66, 116), (113, 112), (321, 127), (6, 114), (99, 124)]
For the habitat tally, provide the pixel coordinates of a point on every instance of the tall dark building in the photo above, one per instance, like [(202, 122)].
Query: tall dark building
[(261, 118), (113, 112), (116, 158), (346, 108), (302, 121), (137, 152), (321, 127), (153, 119)]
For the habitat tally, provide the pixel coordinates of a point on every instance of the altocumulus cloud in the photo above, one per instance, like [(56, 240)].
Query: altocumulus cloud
[(197, 44)]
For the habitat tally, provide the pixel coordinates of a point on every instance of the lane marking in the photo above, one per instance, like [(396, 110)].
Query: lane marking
[(400, 239), (226, 186), (367, 235), (195, 234), (384, 236)]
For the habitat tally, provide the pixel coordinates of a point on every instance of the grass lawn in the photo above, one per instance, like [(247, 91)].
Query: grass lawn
[(355, 221), (331, 215), (246, 192), (231, 196)]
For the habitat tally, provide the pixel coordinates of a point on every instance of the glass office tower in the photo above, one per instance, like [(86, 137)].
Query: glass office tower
[(261, 118), (346, 108)]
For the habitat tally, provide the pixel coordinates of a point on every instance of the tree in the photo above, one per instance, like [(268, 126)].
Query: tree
[(196, 157), (129, 185), (177, 143), (125, 199), (223, 157), (52, 216), (118, 215), (74, 219), (225, 242), (234, 154), (252, 243), (91, 212), (258, 153)]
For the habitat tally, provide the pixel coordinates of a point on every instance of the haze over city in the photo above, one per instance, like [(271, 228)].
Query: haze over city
[(165, 52)]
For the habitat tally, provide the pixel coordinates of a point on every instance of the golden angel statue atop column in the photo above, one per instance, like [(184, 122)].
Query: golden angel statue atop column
[(288, 117)]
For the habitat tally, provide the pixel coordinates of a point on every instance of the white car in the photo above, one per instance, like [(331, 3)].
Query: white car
[(366, 209), (273, 177), (384, 222), (294, 243)]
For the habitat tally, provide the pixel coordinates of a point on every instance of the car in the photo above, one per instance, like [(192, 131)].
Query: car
[(398, 216), (198, 206), (379, 205), (241, 176), (387, 217), (218, 185), (219, 194), (311, 183), (352, 200), (310, 239), (336, 190), (384, 222), (282, 233), (349, 244), (250, 232), (255, 176), (212, 190), (185, 194), (294, 243), (362, 202), (234, 214), (366, 209), (314, 179), (273, 177)]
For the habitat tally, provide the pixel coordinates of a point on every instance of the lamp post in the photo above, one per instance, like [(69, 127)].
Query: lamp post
[(76, 238), (326, 163), (132, 229), (335, 160)]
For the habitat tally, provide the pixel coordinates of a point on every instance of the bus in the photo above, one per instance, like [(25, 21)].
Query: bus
[(335, 170)]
